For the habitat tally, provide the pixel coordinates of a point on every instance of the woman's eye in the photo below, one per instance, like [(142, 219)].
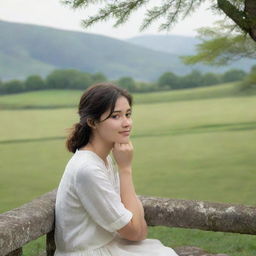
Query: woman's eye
[(115, 116), (128, 114)]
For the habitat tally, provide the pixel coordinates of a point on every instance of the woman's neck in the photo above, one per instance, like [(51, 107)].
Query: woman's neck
[(100, 148)]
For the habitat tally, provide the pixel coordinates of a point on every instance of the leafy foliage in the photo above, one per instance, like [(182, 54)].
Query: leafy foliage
[(168, 80), (127, 83), (12, 86), (249, 82), (74, 79), (220, 46), (58, 79), (233, 75), (171, 11), (34, 82), (68, 79), (219, 49)]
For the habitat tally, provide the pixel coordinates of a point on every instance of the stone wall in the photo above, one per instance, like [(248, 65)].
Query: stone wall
[(22, 225)]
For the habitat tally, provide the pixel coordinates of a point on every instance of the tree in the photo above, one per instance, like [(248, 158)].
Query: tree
[(34, 82), (233, 75), (222, 44), (68, 79), (81, 81), (127, 83), (210, 79), (237, 37), (146, 86), (98, 77), (193, 79), (168, 80), (12, 86), (249, 82), (1, 87)]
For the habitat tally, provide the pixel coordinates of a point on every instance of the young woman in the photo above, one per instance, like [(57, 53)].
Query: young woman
[(97, 210)]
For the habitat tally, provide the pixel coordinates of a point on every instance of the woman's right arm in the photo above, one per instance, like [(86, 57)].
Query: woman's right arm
[(136, 229)]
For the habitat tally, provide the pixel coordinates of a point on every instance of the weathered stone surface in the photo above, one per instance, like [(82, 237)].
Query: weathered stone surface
[(199, 215), (194, 251), (30, 221)]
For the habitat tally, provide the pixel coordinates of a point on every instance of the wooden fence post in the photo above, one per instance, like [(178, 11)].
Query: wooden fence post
[(17, 252), (50, 244)]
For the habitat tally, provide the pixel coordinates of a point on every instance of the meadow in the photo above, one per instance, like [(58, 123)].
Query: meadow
[(69, 98), (189, 144)]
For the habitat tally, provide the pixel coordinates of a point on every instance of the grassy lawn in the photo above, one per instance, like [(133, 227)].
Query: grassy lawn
[(189, 149), (41, 99), (70, 98)]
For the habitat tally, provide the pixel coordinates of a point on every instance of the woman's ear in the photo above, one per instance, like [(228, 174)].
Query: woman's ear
[(91, 123)]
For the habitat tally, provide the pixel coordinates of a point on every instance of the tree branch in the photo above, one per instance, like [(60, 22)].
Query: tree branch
[(155, 13), (239, 17), (118, 10), (250, 10), (172, 17), (222, 49)]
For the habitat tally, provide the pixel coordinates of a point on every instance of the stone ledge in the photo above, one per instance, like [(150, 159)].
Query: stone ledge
[(32, 220), (201, 215)]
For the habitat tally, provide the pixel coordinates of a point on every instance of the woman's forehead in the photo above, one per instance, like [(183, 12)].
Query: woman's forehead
[(122, 104)]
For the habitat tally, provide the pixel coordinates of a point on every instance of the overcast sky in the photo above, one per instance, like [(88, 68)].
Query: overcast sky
[(54, 14)]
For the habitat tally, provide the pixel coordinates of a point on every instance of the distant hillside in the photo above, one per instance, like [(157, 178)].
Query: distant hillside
[(183, 45), (30, 49)]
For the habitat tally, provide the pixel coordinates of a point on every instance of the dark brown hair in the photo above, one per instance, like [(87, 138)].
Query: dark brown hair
[(95, 101)]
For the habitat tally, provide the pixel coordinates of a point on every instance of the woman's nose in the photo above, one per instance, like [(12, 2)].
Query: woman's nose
[(126, 121)]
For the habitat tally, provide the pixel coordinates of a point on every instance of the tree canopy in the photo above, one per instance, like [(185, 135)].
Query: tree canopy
[(236, 39)]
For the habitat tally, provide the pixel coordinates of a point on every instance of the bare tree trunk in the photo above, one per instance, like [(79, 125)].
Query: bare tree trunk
[(250, 10), (246, 19), (239, 17)]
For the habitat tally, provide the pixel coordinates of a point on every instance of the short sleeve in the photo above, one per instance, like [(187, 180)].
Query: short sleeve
[(100, 199)]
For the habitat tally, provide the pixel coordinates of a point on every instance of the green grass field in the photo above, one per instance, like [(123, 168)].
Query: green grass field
[(186, 147), (69, 98)]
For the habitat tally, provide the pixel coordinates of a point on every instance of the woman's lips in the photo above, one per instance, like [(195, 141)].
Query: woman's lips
[(125, 133)]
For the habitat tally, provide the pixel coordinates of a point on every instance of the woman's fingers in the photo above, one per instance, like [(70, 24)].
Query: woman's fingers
[(123, 146), (123, 153)]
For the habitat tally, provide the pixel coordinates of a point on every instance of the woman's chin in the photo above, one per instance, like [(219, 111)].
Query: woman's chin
[(124, 140)]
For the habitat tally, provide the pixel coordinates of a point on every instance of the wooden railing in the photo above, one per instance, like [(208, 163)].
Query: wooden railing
[(34, 219)]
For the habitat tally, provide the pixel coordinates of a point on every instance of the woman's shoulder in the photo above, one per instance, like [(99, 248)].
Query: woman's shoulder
[(85, 160), (86, 164)]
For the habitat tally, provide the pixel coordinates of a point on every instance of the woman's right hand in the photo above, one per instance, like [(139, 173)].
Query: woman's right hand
[(123, 153)]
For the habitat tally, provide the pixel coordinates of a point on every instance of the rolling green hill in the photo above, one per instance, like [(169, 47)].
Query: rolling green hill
[(31, 49), (184, 45)]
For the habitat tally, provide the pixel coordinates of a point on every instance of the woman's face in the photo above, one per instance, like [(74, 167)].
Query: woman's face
[(117, 128)]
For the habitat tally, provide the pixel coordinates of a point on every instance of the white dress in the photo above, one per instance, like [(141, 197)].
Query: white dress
[(89, 212)]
